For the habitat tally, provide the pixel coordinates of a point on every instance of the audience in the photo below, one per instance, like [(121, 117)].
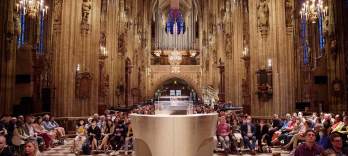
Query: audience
[(301, 135)]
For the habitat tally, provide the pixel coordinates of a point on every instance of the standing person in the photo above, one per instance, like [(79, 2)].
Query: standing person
[(4, 150), (249, 134), (336, 144), (309, 148), (31, 148)]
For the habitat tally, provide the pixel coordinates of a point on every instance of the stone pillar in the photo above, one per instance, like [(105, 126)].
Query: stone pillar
[(268, 32), (75, 42), (7, 55)]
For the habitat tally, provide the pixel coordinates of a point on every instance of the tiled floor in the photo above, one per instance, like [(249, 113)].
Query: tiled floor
[(64, 150)]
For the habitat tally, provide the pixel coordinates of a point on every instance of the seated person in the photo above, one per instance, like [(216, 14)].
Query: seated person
[(31, 148), (40, 131), (29, 130), (343, 129), (286, 132), (108, 131), (80, 137), (56, 126), (223, 132), (337, 123), (129, 138), (117, 139), (310, 147), (4, 150), (336, 145), (262, 134), (298, 136), (94, 134), (19, 137), (249, 134)]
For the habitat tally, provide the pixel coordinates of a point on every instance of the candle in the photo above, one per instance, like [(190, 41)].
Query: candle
[(269, 63)]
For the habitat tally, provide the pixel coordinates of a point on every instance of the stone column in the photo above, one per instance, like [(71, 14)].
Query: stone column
[(77, 42), (7, 56)]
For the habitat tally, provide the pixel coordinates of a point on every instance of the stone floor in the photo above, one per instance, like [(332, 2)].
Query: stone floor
[(64, 150)]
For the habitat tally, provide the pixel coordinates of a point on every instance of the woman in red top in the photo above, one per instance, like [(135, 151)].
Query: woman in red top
[(223, 132)]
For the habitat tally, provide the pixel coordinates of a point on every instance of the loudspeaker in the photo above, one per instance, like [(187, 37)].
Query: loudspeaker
[(46, 99), (23, 78), (320, 79), (300, 106)]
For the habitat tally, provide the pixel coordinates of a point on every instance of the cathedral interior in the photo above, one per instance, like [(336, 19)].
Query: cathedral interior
[(74, 58)]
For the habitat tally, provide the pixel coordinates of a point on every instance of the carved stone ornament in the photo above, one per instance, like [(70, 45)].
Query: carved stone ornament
[(337, 88), (57, 11), (229, 46), (264, 84), (263, 17), (83, 85), (86, 11), (121, 44), (288, 13)]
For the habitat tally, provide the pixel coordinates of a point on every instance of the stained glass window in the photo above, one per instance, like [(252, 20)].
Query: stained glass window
[(41, 36), (321, 35), (304, 40), (175, 21), (20, 39)]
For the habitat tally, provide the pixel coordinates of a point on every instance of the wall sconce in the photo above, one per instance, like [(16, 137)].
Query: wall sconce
[(269, 63), (78, 68), (103, 53), (245, 54), (265, 82)]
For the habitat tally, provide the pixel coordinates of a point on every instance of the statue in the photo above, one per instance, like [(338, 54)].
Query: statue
[(288, 13), (86, 9), (57, 14), (263, 16), (228, 46), (121, 45)]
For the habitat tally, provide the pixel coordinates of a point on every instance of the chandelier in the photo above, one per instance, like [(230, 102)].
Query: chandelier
[(32, 7), (312, 10), (175, 57), (193, 53), (157, 52)]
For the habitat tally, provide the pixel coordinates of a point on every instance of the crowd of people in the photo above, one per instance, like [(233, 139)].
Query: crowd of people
[(323, 134), (28, 135)]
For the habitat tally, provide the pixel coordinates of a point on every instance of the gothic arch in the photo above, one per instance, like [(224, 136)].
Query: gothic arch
[(194, 84)]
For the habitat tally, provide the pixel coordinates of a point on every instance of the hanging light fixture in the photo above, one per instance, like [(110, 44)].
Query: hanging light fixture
[(157, 52), (175, 57), (312, 10), (193, 53), (32, 7)]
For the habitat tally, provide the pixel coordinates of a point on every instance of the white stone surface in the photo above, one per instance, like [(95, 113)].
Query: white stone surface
[(174, 135)]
